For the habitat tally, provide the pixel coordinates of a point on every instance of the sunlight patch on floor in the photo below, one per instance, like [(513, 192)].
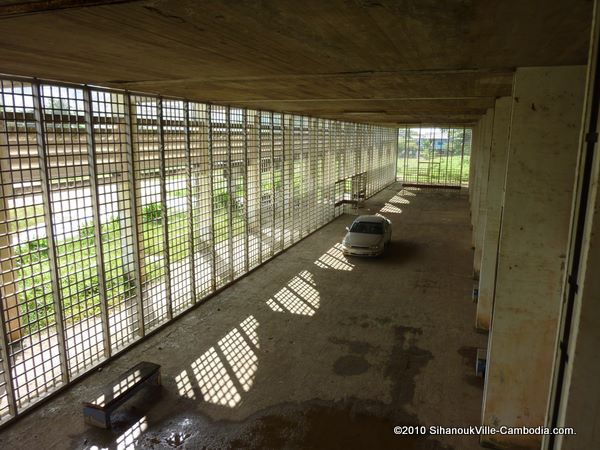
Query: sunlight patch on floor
[(398, 199), (241, 357), (299, 296), (390, 209), (184, 385), (334, 259), (214, 381), (225, 370)]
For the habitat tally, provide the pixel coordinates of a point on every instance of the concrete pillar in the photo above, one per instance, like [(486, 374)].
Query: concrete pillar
[(476, 174), (472, 180), (120, 182), (124, 191), (253, 173), (329, 165), (545, 123), (474, 137), (201, 206), (577, 398), (10, 302), (493, 211), (482, 185), (133, 165), (311, 174), (580, 400)]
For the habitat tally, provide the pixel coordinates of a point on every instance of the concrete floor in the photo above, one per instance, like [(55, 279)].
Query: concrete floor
[(312, 350)]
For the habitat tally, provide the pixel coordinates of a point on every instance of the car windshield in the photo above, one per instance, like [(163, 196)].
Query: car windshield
[(367, 227)]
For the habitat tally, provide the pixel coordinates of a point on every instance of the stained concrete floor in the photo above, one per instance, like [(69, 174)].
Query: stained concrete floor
[(312, 350)]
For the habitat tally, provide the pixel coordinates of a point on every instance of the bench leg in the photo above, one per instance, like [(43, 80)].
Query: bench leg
[(96, 417), (154, 380)]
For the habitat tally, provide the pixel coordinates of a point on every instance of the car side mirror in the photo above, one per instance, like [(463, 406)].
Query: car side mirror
[(347, 229)]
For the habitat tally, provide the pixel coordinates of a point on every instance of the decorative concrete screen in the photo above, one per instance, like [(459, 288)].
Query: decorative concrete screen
[(434, 156), (121, 211)]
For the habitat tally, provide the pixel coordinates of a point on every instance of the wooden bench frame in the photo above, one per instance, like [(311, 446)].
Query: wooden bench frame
[(97, 412)]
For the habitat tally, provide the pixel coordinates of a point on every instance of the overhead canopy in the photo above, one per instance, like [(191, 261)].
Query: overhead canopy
[(377, 61)]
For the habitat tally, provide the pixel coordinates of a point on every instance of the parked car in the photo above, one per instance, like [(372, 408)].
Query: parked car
[(367, 236)]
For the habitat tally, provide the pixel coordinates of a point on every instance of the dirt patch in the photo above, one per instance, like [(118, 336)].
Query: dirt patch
[(357, 347), (350, 365)]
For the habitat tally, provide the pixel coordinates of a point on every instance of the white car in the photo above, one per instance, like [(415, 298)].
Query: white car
[(367, 236)]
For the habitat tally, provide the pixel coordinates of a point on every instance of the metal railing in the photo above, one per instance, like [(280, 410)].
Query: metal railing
[(120, 211)]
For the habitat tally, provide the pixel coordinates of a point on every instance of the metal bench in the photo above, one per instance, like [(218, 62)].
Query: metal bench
[(98, 411)]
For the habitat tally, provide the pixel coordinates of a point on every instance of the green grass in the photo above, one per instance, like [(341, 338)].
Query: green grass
[(180, 193), (438, 170), (78, 274), (78, 278), (27, 217), (266, 183)]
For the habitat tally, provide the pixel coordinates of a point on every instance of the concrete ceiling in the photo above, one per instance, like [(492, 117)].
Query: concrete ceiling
[(378, 61)]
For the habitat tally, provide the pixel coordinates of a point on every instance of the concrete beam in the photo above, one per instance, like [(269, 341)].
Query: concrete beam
[(258, 54), (546, 119), (374, 86)]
